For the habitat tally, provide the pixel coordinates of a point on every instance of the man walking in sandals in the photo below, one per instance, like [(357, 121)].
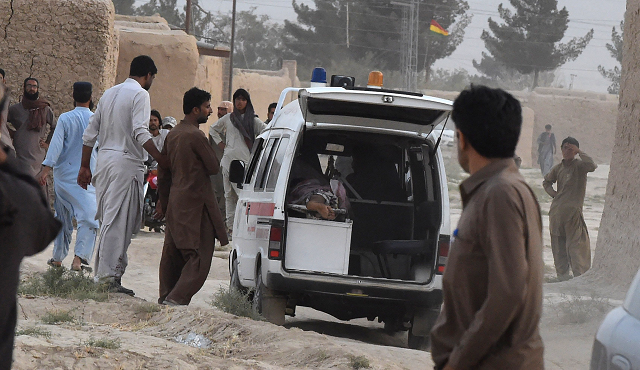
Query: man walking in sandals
[(72, 201)]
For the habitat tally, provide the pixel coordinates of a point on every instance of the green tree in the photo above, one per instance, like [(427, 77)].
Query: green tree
[(529, 39), (258, 42), (124, 7), (496, 74), (615, 49), (374, 28), (167, 9)]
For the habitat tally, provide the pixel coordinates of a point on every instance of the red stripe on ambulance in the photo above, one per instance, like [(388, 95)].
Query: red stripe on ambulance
[(260, 209)]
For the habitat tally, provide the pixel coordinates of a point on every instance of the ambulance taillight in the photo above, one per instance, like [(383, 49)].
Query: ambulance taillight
[(444, 242), (275, 243)]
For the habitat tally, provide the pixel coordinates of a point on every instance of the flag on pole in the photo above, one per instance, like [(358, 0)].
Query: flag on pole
[(435, 27)]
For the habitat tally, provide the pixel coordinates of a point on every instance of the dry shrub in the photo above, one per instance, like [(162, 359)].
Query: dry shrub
[(103, 343), (63, 283), (34, 331), (236, 303), (57, 317), (359, 362), (579, 309)]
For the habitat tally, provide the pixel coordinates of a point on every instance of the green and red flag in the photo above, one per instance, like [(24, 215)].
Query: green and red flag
[(435, 27)]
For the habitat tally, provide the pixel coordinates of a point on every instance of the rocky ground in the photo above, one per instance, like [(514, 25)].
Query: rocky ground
[(139, 334)]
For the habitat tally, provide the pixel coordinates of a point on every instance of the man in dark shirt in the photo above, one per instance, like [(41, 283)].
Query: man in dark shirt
[(26, 228), (493, 282)]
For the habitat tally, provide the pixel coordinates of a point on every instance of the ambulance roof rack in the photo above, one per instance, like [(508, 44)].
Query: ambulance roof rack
[(410, 93)]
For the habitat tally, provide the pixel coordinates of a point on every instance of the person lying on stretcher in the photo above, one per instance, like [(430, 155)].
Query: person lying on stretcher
[(313, 193)]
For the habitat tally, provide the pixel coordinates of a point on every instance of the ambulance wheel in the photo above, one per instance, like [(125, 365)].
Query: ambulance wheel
[(270, 306), (234, 282)]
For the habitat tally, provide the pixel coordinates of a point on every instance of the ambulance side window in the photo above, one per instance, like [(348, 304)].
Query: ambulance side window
[(255, 157), (267, 157), (274, 172)]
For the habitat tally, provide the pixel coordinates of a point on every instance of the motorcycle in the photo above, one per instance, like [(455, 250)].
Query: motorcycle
[(150, 217)]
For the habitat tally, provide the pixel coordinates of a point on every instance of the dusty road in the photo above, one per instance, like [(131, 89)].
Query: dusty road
[(310, 340)]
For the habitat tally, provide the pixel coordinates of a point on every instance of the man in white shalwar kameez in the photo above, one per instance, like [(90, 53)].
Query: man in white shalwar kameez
[(63, 156), (122, 123)]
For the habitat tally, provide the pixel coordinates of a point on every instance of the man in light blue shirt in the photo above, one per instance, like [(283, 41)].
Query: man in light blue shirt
[(72, 201)]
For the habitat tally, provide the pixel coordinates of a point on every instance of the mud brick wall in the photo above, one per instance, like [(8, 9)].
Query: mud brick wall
[(58, 42)]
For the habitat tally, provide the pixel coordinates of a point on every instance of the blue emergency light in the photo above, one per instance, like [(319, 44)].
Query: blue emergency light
[(319, 75)]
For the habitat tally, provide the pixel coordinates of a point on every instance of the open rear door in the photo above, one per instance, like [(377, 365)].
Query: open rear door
[(374, 109)]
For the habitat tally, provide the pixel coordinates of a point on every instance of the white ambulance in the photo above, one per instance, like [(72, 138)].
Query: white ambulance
[(384, 256)]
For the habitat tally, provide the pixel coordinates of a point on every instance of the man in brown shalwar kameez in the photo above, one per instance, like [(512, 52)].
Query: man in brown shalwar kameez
[(569, 235), (34, 123), (192, 214), (492, 285)]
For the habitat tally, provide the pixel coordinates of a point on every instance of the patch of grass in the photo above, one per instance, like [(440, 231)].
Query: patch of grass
[(236, 303), (63, 283), (34, 331), (57, 317), (579, 310), (321, 356), (103, 343), (147, 308), (359, 362)]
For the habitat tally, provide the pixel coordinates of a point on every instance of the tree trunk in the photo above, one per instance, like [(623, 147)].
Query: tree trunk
[(617, 255), (536, 74)]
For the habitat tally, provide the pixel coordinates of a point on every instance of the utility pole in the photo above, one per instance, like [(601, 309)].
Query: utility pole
[(571, 84), (410, 33), (233, 36), (187, 21), (347, 25)]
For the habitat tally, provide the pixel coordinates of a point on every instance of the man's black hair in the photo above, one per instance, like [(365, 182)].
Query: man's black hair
[(24, 84), (272, 105), (142, 65), (570, 140), (490, 119), (82, 91), (547, 127), (157, 114), (2, 73), (194, 98)]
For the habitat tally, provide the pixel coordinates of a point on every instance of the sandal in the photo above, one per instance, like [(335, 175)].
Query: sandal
[(53, 263)]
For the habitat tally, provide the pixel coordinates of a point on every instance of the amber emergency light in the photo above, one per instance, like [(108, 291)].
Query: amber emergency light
[(375, 80)]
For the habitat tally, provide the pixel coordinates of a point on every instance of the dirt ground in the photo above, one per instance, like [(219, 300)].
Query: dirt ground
[(147, 332)]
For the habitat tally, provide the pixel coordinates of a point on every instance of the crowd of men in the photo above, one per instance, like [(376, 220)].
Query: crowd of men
[(97, 161)]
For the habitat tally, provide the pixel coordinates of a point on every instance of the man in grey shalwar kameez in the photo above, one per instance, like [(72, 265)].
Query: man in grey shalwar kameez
[(546, 150), (122, 121)]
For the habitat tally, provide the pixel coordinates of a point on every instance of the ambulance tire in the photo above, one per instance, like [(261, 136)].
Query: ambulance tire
[(270, 306), (234, 282)]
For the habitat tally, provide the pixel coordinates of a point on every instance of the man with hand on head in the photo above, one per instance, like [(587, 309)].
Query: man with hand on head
[(569, 235)]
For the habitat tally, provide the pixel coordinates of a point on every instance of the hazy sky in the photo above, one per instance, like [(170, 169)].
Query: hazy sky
[(601, 15)]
